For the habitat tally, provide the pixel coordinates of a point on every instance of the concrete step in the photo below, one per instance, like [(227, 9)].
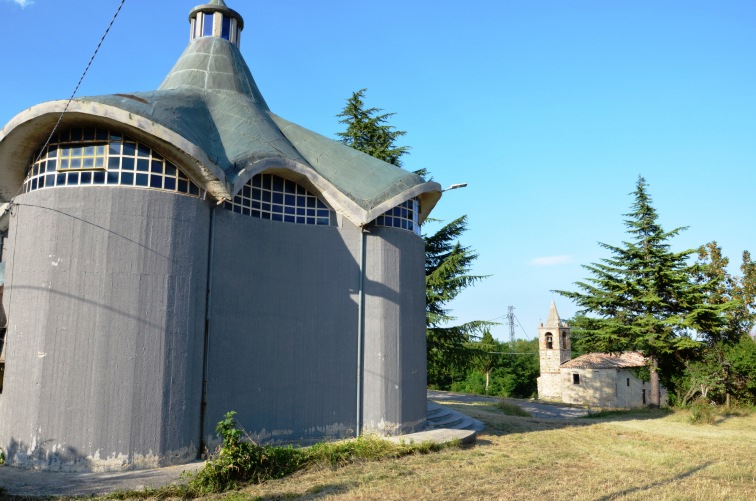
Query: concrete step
[(440, 417)]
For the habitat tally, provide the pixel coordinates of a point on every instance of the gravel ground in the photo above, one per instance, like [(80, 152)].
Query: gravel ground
[(536, 409)]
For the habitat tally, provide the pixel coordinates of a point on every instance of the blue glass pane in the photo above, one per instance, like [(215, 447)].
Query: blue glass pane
[(226, 28), (208, 31)]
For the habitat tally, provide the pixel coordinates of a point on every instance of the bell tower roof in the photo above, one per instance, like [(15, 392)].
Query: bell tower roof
[(553, 319)]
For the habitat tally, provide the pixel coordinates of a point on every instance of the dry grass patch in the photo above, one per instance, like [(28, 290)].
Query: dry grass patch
[(624, 456)]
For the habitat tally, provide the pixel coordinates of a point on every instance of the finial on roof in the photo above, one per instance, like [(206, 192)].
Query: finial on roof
[(215, 19), (553, 319)]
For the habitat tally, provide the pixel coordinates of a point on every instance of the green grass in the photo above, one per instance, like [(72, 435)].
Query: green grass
[(644, 413), (512, 409)]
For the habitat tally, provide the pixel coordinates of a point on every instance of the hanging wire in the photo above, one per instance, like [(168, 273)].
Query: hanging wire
[(81, 79), (70, 99)]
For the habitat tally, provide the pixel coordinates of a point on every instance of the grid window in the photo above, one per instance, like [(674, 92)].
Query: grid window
[(267, 196), (404, 216), (91, 156)]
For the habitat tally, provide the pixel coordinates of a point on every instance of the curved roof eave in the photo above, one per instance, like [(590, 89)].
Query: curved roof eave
[(30, 128), (429, 193), (372, 184)]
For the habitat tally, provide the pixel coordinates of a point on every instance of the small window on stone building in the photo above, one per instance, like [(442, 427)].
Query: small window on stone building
[(549, 341), (576, 378), (628, 381), (564, 340)]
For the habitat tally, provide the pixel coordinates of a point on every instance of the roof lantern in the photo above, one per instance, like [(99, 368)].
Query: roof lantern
[(215, 19)]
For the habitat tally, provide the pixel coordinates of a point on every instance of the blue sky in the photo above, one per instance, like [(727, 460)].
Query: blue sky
[(549, 110)]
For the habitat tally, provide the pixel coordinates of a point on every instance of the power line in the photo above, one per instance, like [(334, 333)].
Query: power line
[(70, 99), (81, 79)]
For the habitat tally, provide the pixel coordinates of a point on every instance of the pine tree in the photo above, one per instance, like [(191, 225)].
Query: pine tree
[(368, 131), (647, 298), (447, 273), (447, 262)]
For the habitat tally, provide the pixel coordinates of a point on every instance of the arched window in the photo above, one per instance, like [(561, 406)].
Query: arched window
[(549, 341), (96, 157), (404, 216), (268, 196), (564, 340)]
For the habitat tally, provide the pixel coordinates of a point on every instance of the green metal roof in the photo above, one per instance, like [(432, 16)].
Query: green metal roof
[(211, 100)]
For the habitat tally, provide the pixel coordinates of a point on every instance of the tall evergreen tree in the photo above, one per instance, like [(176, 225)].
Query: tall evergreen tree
[(447, 262), (646, 298), (368, 130), (447, 274)]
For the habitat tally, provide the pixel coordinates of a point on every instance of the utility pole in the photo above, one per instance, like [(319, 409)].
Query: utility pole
[(510, 321)]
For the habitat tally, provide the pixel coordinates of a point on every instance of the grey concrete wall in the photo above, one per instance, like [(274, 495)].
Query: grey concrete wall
[(283, 346), (106, 291), (105, 297), (284, 328), (394, 351)]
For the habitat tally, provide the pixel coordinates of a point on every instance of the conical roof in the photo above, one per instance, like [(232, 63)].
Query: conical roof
[(210, 116), (553, 320)]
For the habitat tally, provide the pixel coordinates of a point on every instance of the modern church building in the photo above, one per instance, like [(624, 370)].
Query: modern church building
[(176, 254)]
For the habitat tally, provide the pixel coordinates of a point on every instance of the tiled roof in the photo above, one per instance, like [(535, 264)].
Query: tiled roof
[(606, 361)]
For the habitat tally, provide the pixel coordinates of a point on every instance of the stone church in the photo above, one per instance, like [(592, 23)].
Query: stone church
[(604, 380)]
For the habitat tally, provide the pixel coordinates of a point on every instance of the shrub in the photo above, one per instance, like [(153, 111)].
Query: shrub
[(701, 412), (238, 461)]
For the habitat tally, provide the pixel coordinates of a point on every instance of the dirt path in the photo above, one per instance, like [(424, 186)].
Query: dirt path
[(536, 409)]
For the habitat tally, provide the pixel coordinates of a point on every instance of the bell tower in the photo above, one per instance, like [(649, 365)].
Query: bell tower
[(554, 350)]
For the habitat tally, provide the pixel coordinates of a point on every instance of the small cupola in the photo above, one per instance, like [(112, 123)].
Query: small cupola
[(215, 19)]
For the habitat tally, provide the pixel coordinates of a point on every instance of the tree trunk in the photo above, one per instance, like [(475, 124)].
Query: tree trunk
[(488, 373), (655, 386)]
